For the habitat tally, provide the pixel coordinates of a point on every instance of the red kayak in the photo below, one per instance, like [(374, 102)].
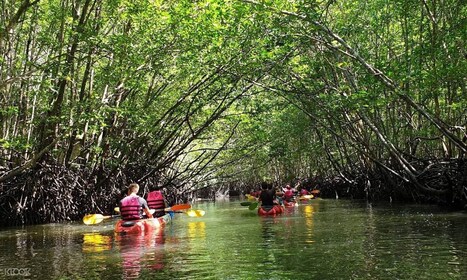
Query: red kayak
[(141, 226), (290, 203), (270, 211)]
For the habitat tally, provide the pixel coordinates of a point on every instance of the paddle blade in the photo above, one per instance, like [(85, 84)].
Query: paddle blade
[(92, 219), (245, 203), (195, 213), (253, 205), (180, 207)]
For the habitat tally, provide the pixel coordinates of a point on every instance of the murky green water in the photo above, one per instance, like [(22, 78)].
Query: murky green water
[(326, 239)]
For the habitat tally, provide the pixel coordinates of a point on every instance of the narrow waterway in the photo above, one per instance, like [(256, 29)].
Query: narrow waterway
[(324, 239)]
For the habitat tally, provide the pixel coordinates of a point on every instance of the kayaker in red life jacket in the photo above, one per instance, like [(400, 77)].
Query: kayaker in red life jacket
[(156, 201), (304, 191), (289, 194), (132, 206)]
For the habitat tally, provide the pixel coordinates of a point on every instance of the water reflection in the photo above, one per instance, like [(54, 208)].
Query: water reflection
[(308, 211), (350, 240), (197, 230), (96, 242), (141, 251)]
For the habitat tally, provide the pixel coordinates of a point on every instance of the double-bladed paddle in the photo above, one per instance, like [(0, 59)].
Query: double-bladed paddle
[(92, 219)]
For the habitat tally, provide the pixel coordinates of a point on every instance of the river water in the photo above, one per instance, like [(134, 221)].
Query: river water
[(324, 239)]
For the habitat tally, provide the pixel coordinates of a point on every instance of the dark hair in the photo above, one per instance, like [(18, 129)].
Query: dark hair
[(155, 188), (264, 185)]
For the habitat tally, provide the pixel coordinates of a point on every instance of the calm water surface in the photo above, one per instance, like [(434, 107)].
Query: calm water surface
[(325, 239)]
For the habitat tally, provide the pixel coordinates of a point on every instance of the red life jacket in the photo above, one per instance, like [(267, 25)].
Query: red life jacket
[(288, 194), (130, 208), (155, 200)]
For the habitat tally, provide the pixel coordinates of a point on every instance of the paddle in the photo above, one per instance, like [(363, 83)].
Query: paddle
[(92, 219), (195, 213), (253, 205), (175, 207)]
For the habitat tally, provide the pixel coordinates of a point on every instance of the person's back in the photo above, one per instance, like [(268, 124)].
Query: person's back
[(288, 194), (156, 201), (131, 206), (266, 196)]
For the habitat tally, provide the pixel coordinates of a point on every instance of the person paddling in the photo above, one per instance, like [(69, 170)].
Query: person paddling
[(267, 195), (289, 194), (156, 201), (132, 206)]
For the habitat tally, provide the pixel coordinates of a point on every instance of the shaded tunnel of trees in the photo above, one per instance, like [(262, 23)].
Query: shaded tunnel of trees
[(360, 99)]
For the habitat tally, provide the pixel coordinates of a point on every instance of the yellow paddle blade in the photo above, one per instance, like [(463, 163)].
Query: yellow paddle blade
[(195, 213), (92, 219)]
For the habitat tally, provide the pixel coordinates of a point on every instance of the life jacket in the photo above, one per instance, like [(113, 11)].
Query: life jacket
[(155, 201), (130, 208), (288, 193), (304, 192)]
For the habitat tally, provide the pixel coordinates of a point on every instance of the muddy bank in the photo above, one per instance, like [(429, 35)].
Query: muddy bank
[(55, 194), (441, 182)]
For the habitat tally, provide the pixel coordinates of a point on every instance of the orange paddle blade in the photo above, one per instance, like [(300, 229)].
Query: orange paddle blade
[(180, 207)]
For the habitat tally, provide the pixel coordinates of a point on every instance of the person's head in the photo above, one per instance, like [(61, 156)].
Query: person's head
[(156, 188), (288, 187), (133, 188), (264, 185)]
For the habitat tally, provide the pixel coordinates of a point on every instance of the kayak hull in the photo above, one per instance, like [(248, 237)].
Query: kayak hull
[(141, 226), (290, 203), (270, 211)]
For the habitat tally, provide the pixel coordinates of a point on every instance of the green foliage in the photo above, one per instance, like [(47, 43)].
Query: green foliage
[(210, 88)]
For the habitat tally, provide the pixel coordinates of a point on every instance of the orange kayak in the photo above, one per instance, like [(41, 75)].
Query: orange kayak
[(141, 226)]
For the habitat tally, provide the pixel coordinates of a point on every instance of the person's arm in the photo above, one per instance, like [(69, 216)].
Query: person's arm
[(145, 207), (148, 213)]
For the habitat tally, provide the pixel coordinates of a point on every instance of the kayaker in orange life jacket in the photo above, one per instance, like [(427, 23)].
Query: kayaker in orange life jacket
[(132, 206), (156, 201)]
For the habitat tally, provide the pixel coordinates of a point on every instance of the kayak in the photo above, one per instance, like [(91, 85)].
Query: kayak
[(290, 203), (141, 226), (274, 210)]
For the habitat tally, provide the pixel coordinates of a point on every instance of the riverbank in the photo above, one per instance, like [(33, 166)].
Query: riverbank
[(54, 193)]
